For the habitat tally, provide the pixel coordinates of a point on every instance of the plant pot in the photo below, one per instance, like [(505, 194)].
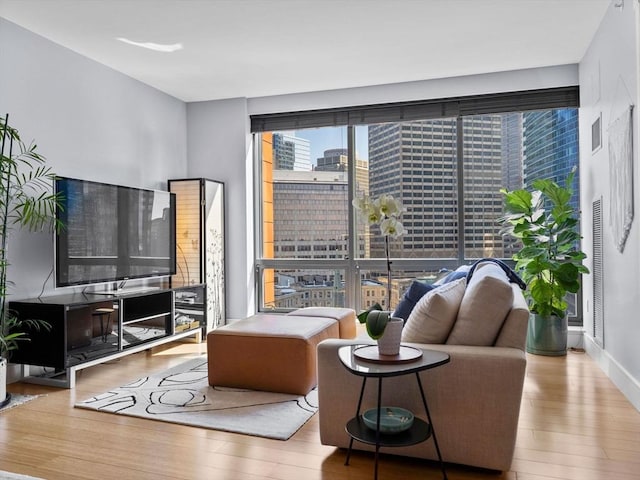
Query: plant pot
[(389, 343), (3, 379), (547, 335)]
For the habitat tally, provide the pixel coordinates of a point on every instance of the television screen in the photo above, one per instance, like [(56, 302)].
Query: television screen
[(113, 233)]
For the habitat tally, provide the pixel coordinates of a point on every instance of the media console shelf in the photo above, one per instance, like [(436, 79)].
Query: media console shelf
[(88, 329)]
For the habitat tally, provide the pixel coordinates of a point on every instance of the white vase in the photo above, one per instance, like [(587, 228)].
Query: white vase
[(3, 379), (389, 343)]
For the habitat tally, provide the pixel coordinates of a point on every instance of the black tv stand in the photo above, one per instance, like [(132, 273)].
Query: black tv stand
[(79, 337), (124, 291)]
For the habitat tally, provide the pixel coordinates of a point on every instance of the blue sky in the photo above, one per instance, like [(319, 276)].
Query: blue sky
[(322, 139)]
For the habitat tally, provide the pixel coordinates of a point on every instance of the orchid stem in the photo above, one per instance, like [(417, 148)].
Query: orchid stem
[(386, 244)]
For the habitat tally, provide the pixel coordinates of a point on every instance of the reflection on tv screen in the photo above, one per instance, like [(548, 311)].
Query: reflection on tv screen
[(113, 233)]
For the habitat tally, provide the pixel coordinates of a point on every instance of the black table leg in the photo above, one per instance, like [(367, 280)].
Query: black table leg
[(364, 383), (375, 473), (433, 430)]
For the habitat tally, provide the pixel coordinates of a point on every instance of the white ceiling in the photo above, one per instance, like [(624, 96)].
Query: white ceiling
[(253, 48)]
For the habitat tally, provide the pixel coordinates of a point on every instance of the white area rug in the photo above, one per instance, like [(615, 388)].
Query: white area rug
[(15, 476), (17, 399), (182, 395)]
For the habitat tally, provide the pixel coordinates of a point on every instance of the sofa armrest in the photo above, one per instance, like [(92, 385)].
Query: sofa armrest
[(474, 401)]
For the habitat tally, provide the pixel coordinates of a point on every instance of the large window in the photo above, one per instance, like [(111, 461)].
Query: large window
[(446, 169)]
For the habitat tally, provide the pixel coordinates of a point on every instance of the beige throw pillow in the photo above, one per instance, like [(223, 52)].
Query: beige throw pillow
[(486, 303), (435, 313)]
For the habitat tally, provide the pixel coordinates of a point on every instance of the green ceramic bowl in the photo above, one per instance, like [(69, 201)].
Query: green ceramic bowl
[(392, 419)]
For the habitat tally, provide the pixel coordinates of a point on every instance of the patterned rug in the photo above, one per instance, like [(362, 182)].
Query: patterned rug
[(17, 399), (15, 476), (182, 395)]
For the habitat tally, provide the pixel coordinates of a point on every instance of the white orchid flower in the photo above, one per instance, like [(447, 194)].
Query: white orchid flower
[(378, 210), (369, 209), (374, 215), (389, 206), (361, 203), (391, 227)]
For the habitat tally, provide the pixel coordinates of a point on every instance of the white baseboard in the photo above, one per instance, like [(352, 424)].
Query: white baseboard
[(575, 337), (14, 374), (629, 386)]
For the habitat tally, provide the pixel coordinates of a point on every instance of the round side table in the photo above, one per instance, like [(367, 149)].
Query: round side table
[(362, 363)]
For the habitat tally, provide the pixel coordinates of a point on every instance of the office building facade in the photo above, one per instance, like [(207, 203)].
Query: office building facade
[(291, 152)]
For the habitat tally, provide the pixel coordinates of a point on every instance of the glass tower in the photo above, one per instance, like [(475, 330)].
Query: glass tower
[(550, 146), (291, 152)]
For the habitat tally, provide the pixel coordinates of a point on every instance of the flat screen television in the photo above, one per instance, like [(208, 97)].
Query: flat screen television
[(113, 233)]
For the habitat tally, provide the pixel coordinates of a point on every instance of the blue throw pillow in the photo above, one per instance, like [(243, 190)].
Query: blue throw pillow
[(459, 272), (414, 293)]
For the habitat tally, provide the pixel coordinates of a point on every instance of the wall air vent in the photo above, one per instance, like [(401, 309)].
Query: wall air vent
[(598, 275)]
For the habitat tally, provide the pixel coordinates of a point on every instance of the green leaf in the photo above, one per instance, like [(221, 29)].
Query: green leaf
[(377, 322), (14, 330), (517, 201), (362, 316)]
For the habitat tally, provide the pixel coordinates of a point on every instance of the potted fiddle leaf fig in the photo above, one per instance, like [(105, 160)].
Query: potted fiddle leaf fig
[(26, 201), (550, 261)]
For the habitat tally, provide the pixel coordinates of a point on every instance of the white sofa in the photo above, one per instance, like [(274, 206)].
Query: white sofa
[(474, 400)]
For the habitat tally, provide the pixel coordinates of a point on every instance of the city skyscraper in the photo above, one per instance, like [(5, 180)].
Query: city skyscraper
[(336, 160), (406, 168), (550, 147), (301, 229), (417, 162), (291, 152), (512, 150), (512, 167)]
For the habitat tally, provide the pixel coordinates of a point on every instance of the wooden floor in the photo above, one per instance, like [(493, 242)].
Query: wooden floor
[(574, 424)]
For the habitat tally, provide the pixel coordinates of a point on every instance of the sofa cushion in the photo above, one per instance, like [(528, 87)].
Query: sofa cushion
[(513, 333), (485, 304), (435, 313), (414, 293), (346, 317)]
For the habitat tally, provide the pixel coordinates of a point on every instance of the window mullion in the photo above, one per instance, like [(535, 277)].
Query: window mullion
[(460, 181), (352, 275)]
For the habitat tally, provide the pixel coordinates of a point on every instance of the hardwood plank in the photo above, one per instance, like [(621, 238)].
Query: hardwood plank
[(565, 472)]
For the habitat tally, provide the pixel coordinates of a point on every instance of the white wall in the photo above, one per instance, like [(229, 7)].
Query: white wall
[(220, 149), (608, 84), (517, 80), (89, 122)]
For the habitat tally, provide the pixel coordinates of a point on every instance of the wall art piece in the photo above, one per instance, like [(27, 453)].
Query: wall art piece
[(596, 134), (621, 177)]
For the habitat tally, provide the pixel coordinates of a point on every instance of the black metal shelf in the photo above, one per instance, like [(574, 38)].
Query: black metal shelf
[(417, 433)]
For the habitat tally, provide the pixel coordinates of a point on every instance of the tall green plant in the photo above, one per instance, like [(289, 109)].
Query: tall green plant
[(26, 201), (550, 261)]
